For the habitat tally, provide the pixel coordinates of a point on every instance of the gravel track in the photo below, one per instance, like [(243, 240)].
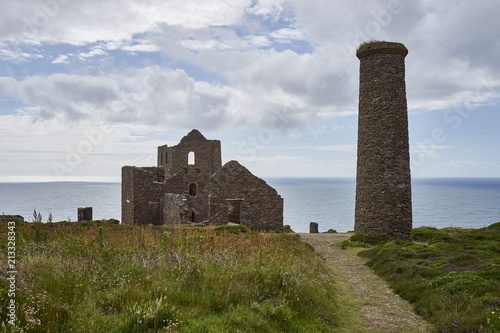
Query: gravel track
[(381, 309)]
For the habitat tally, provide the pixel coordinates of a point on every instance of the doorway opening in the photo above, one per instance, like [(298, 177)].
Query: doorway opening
[(234, 210)]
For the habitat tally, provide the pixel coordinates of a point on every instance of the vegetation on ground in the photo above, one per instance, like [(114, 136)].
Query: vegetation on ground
[(450, 275), (104, 277)]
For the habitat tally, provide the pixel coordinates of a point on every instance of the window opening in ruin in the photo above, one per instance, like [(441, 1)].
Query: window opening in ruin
[(185, 170), (191, 158), (234, 210), (192, 189), (166, 157), (161, 159), (197, 170), (193, 216)]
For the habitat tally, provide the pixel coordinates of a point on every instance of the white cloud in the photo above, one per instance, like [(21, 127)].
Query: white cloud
[(223, 64), (62, 59), (156, 95), (16, 55), (96, 51), (287, 35), (258, 41), (267, 8), (212, 44), (78, 23), (57, 150), (203, 34), (140, 46), (149, 96)]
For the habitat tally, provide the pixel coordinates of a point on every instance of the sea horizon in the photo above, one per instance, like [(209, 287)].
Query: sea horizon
[(467, 202), (2, 181)]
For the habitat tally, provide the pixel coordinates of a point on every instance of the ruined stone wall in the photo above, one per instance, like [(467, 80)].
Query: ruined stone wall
[(383, 181), (142, 190), (163, 158), (179, 189), (194, 188), (175, 184), (207, 160), (176, 209), (233, 188), (207, 155)]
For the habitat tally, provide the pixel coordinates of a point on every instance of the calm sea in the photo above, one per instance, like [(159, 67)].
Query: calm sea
[(439, 202)]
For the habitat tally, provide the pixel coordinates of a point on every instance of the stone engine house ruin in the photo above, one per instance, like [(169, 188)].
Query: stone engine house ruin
[(190, 185)]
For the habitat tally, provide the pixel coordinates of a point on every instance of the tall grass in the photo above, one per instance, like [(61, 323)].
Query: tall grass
[(109, 278), (452, 275)]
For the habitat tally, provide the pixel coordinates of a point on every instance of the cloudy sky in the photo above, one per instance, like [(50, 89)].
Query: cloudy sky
[(89, 86)]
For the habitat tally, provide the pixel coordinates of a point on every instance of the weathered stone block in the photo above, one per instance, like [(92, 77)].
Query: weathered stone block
[(84, 214), (313, 228)]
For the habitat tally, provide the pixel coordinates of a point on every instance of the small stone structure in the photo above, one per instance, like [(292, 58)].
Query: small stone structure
[(84, 214), (190, 185), (313, 228), (383, 181)]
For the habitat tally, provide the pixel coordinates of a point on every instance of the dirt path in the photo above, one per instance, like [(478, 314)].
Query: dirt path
[(367, 303)]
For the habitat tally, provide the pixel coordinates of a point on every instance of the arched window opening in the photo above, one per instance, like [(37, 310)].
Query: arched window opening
[(191, 158), (192, 189)]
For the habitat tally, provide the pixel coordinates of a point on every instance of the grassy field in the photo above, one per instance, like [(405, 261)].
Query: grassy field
[(103, 277), (111, 278), (451, 275)]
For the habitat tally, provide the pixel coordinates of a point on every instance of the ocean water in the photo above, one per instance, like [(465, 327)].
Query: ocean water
[(438, 202)]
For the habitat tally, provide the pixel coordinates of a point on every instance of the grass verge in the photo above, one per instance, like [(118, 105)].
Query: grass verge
[(111, 278), (450, 275)]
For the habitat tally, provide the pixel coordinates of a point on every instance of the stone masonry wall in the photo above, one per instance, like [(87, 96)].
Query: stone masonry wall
[(176, 209), (383, 181), (234, 188), (180, 190), (207, 160), (142, 191), (84, 214), (207, 155)]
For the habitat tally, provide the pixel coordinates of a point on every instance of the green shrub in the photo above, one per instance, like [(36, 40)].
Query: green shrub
[(451, 276)]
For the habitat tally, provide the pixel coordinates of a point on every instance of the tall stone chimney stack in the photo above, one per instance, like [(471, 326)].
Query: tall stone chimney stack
[(383, 181)]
